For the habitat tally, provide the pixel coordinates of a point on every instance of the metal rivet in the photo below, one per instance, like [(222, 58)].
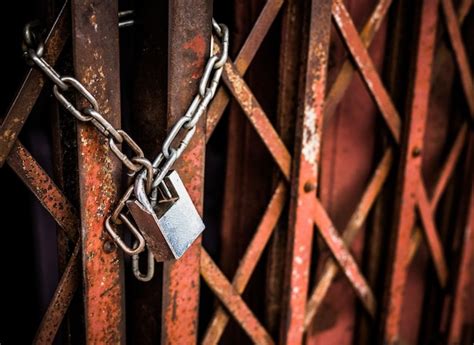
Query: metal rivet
[(309, 187), (109, 246), (416, 152)]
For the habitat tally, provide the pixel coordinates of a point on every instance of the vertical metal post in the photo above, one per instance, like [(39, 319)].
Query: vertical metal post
[(463, 291), (96, 62), (294, 29), (409, 178), (189, 42), (305, 175)]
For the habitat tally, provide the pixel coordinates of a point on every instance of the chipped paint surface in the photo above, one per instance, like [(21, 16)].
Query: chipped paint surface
[(305, 171), (32, 86), (311, 138), (188, 50), (97, 67), (410, 166), (258, 118)]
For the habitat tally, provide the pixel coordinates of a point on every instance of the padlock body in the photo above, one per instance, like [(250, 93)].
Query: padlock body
[(173, 225)]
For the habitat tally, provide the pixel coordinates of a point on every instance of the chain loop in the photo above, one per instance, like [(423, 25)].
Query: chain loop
[(31, 40), (113, 233), (150, 264), (68, 105), (122, 156)]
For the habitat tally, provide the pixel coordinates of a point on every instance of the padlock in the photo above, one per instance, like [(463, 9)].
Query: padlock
[(173, 224)]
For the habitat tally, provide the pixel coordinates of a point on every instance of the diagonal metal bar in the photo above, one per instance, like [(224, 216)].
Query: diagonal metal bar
[(448, 166), (61, 300), (264, 128), (243, 60), (460, 54), (54, 201), (232, 300), (378, 91), (366, 67), (440, 186), (242, 93), (43, 187), (463, 283), (249, 261), (350, 232), (435, 247), (358, 218), (345, 75), (337, 245), (32, 85)]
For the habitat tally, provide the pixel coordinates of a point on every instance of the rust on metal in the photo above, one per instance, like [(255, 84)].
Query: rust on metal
[(305, 169), (32, 86), (440, 185), (294, 29), (405, 214), (243, 60), (233, 301), (346, 73), (249, 261), (264, 128), (189, 42), (96, 61), (449, 165), (434, 243), (459, 53), (349, 234), (257, 117), (43, 187), (53, 200), (344, 258), (366, 67), (463, 285), (61, 300)]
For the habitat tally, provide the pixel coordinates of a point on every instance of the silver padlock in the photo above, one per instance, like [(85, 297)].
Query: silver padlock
[(173, 224)]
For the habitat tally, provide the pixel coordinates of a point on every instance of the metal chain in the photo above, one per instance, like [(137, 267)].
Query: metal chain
[(148, 176)]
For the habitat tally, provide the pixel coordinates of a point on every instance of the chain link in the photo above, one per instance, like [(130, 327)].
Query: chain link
[(148, 176)]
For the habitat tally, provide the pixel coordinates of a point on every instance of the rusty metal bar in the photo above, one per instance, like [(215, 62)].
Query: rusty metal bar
[(243, 60), (262, 125), (189, 40), (449, 165), (49, 195), (43, 187), (440, 186), (460, 54), (232, 300), (411, 164), (342, 255), (294, 31), (96, 62), (378, 91), (61, 300), (248, 262), (358, 218), (345, 75), (431, 233), (366, 67), (257, 117), (305, 175), (32, 86), (462, 296)]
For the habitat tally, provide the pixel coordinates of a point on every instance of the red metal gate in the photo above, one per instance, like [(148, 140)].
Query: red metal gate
[(327, 223)]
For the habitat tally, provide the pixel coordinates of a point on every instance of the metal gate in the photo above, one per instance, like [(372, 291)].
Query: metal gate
[(334, 170)]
